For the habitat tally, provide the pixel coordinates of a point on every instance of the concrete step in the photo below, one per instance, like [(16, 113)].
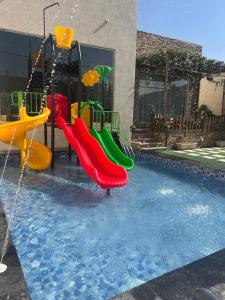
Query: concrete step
[(153, 148), (138, 144), (142, 145), (147, 140), (141, 136), (141, 129)]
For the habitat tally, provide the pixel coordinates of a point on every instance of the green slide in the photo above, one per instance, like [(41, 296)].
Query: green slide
[(111, 149)]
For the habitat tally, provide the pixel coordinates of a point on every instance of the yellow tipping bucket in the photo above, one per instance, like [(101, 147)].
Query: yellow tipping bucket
[(64, 37)]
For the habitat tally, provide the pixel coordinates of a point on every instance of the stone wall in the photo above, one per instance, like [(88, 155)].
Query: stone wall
[(149, 42)]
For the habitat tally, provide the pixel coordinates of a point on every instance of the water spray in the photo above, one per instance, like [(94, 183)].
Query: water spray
[(3, 267)]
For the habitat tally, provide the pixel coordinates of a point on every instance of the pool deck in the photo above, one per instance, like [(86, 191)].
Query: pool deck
[(12, 282), (180, 284), (210, 157)]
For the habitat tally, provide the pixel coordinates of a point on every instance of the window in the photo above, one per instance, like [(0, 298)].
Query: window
[(151, 96), (18, 53), (151, 93), (177, 94), (15, 66)]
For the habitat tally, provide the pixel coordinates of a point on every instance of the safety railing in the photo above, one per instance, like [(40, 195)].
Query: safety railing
[(111, 120), (113, 123), (32, 101), (125, 142)]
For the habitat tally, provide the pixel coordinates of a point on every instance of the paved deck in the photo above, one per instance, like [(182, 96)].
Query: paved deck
[(213, 157), (208, 272), (12, 282)]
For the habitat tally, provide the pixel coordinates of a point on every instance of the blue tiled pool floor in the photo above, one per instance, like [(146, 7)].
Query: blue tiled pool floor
[(75, 243)]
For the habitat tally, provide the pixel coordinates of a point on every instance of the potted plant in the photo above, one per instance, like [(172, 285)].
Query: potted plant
[(182, 144)]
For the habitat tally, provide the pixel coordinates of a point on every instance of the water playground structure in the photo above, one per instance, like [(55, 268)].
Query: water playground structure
[(104, 153), (103, 159)]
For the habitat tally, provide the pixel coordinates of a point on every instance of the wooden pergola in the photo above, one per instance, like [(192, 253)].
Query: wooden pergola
[(181, 63)]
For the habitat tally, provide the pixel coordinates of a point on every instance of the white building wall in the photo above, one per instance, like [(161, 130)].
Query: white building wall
[(89, 19), (211, 94)]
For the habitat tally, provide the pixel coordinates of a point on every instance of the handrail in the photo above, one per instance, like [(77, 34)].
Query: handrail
[(18, 97), (111, 120), (94, 104), (125, 141), (114, 124)]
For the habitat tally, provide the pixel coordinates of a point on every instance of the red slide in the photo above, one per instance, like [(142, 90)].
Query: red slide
[(92, 157)]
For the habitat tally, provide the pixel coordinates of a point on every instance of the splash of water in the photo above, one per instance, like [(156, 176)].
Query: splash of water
[(43, 103), (6, 241), (24, 102), (7, 156), (199, 209), (67, 6), (12, 213), (167, 191), (47, 86), (33, 70)]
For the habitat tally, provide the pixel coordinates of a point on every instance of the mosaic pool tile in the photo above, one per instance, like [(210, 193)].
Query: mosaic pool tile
[(188, 166), (82, 237)]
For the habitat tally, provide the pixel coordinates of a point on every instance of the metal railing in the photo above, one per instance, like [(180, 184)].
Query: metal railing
[(32, 102), (188, 124), (113, 123), (111, 120), (125, 142)]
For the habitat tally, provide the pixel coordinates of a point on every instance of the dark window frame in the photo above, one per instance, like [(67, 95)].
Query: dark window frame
[(29, 35)]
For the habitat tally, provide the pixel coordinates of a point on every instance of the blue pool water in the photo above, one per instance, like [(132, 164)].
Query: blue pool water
[(75, 243)]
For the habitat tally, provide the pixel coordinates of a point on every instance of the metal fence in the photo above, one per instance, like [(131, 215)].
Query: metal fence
[(187, 124), (111, 120), (10, 102)]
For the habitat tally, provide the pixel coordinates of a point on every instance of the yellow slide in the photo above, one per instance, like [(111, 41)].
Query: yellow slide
[(40, 156), (85, 116)]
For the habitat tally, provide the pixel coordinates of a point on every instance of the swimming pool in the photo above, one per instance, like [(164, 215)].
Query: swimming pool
[(75, 243)]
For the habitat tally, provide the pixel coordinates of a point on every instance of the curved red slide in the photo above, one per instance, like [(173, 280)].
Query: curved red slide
[(92, 157)]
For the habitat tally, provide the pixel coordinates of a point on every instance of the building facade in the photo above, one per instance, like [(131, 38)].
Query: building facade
[(106, 30), (212, 95)]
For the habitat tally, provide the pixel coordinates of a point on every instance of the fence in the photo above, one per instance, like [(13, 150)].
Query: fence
[(10, 102), (187, 124), (111, 120)]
